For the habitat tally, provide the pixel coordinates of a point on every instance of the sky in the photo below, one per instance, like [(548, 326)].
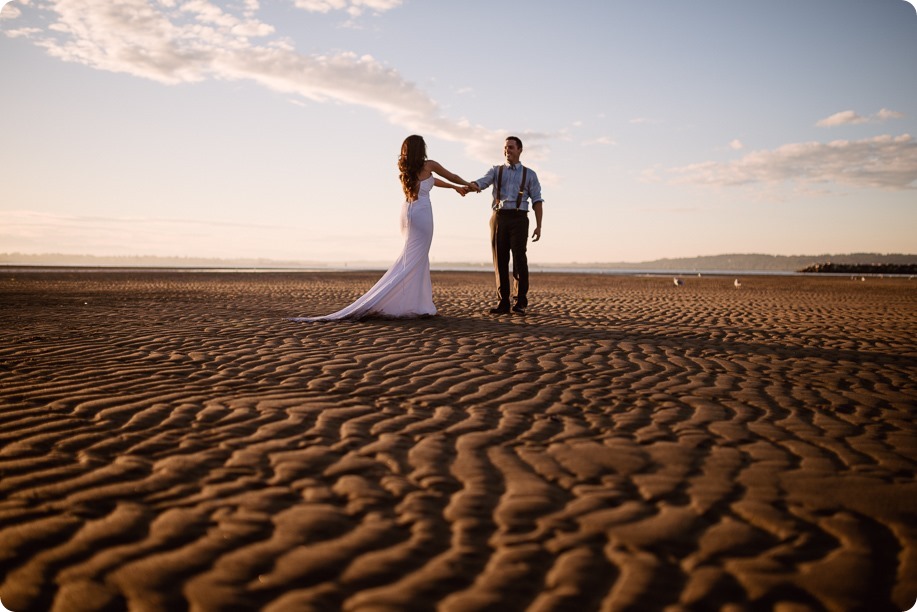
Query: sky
[(271, 128)]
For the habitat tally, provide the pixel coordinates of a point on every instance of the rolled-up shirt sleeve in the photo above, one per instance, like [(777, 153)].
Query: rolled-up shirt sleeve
[(535, 189)]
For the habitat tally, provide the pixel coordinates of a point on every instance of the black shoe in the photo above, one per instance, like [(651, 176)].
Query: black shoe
[(501, 309), (519, 309)]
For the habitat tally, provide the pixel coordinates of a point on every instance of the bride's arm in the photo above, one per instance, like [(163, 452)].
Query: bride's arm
[(455, 178), (458, 188)]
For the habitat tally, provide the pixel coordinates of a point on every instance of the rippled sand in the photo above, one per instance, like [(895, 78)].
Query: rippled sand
[(168, 441)]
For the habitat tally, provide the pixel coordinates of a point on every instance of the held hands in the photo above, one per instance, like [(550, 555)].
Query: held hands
[(463, 190)]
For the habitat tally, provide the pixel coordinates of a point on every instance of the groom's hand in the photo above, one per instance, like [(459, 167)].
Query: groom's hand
[(474, 187), (536, 235)]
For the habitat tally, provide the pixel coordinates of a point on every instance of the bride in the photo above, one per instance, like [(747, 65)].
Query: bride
[(405, 289)]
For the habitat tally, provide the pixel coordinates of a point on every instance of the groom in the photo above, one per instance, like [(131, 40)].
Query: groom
[(513, 187)]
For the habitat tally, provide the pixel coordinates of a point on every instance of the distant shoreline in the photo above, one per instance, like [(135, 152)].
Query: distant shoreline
[(749, 263), (870, 271)]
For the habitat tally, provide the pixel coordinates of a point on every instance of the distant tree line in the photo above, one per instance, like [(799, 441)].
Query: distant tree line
[(880, 268)]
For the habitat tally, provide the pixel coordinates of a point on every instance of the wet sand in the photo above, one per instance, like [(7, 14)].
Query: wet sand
[(168, 441)]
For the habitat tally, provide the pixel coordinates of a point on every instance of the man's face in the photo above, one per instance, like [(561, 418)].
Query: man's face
[(511, 150)]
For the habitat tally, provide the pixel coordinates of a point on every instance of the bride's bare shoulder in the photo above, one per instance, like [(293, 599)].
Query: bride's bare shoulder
[(429, 167)]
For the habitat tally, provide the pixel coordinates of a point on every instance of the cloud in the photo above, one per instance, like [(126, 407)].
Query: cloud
[(8, 13), (842, 118), (189, 41), (354, 8), (736, 145), (883, 162), (885, 114), (850, 117)]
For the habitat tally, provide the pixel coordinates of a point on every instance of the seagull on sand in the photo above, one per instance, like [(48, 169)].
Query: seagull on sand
[(737, 283), (678, 282)]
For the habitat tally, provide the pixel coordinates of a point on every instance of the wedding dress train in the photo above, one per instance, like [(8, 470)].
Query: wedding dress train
[(405, 289)]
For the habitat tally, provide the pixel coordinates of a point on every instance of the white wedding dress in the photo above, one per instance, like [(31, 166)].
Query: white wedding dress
[(405, 289)]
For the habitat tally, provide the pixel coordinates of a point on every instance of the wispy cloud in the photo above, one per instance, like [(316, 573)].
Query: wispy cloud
[(354, 8), (883, 162), (850, 117), (181, 42), (8, 12)]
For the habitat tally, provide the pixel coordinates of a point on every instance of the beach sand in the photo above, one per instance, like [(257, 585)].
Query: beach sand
[(168, 441)]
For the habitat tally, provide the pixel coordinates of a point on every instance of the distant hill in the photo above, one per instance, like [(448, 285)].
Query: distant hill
[(754, 262), (750, 262)]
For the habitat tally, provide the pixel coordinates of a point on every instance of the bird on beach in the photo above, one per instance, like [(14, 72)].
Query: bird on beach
[(678, 282), (737, 284)]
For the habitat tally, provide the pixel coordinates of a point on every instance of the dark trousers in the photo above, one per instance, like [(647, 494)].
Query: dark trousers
[(509, 233)]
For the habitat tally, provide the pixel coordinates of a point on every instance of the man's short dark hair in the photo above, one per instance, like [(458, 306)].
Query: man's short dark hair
[(516, 140)]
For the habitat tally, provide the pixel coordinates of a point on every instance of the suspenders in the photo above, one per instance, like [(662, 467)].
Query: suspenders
[(521, 186)]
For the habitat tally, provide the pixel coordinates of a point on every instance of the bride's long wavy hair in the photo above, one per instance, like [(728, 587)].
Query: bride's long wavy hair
[(410, 163)]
